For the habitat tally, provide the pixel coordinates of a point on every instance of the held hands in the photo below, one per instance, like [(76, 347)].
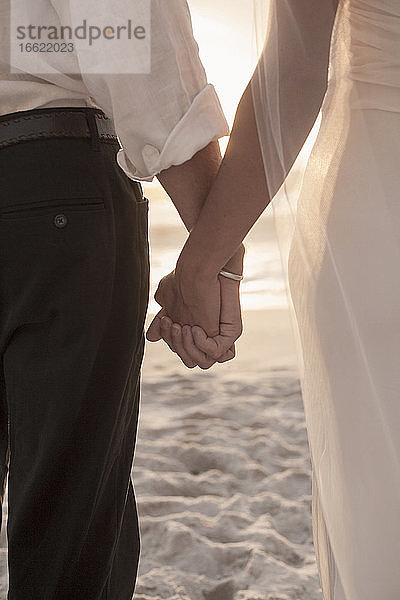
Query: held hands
[(200, 318)]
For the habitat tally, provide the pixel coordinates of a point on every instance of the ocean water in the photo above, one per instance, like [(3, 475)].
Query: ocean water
[(263, 285)]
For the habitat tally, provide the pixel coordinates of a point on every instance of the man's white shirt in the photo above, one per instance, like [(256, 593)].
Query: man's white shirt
[(162, 117)]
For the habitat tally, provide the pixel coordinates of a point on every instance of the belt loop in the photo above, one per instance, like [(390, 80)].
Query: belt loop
[(94, 134), (140, 189)]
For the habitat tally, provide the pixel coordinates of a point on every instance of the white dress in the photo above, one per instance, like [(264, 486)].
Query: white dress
[(344, 278), (349, 309)]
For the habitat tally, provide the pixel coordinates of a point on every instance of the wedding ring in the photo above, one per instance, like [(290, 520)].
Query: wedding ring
[(231, 275)]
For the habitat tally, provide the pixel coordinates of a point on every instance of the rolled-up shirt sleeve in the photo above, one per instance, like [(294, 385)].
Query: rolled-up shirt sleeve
[(162, 118), (157, 150)]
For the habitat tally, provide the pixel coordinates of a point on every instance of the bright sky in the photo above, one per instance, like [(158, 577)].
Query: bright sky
[(224, 32)]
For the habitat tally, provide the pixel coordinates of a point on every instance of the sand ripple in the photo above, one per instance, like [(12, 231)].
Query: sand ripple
[(223, 484)]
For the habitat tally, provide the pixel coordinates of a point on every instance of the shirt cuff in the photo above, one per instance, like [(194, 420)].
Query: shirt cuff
[(203, 123)]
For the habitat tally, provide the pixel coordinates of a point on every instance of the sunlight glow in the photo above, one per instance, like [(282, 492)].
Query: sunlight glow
[(224, 32)]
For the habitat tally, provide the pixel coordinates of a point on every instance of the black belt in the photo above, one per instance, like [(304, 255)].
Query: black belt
[(77, 122)]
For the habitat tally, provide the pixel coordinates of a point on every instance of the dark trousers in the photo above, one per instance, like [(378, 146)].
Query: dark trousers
[(74, 283)]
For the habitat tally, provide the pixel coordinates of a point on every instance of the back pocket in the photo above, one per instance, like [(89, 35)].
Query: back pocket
[(38, 208)]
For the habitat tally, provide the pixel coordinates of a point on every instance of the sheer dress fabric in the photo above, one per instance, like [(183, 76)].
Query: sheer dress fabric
[(337, 218)]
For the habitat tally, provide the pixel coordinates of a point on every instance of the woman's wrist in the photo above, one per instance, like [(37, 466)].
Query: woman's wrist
[(193, 267), (235, 263)]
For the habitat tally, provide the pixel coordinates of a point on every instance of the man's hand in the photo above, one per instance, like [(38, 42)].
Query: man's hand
[(186, 304), (197, 302), (193, 344)]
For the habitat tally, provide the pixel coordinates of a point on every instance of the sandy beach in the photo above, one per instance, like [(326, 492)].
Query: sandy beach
[(222, 474)]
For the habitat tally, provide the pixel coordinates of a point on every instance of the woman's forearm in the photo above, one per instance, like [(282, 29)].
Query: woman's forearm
[(295, 58), (237, 198), (188, 186)]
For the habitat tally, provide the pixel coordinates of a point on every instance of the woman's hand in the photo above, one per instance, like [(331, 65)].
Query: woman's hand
[(219, 347)]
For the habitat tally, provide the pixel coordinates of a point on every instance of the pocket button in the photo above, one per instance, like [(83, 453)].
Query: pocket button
[(60, 220)]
